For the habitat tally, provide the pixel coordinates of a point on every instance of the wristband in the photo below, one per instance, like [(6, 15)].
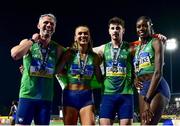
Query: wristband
[(148, 100), (32, 40)]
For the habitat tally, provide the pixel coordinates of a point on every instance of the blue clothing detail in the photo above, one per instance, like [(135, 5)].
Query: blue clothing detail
[(14, 116), (88, 70), (78, 98), (163, 88), (123, 104), (29, 109), (168, 122)]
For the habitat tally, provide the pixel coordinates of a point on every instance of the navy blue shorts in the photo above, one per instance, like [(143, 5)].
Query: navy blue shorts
[(163, 88), (78, 98), (122, 104), (29, 109)]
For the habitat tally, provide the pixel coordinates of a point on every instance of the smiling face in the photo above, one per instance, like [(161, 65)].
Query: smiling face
[(46, 26), (82, 35), (143, 28), (116, 32)]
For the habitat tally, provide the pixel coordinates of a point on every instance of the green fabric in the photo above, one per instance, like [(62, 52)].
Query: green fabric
[(37, 87), (146, 58), (62, 79), (94, 83), (73, 71), (118, 82)]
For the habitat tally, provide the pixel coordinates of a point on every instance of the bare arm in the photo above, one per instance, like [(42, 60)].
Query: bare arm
[(148, 114), (11, 111), (20, 50), (159, 60), (63, 60), (99, 50), (97, 69), (60, 52)]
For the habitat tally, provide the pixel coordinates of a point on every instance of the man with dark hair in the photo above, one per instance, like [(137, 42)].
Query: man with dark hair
[(118, 92)]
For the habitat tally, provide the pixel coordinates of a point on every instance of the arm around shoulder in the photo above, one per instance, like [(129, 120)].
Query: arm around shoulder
[(99, 50)]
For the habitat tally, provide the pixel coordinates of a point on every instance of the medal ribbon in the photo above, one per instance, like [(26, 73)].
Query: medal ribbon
[(82, 65), (45, 54), (114, 54)]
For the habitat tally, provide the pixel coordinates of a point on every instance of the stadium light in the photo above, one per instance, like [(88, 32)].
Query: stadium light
[(177, 100), (171, 45)]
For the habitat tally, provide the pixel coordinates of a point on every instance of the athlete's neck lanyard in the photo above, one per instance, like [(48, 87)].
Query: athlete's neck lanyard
[(115, 54), (81, 63), (45, 54)]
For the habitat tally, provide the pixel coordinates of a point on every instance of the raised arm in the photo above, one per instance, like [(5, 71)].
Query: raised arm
[(18, 51)]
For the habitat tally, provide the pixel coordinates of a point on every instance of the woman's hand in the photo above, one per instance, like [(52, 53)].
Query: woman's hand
[(21, 69), (161, 37), (36, 37), (147, 115), (138, 85)]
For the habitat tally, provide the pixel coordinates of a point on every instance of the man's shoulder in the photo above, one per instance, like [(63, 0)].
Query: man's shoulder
[(54, 43), (59, 46), (103, 45)]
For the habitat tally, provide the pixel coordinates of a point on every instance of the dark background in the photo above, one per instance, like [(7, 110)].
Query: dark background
[(18, 20)]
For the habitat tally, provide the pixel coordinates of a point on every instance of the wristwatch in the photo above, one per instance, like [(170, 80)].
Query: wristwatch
[(148, 100)]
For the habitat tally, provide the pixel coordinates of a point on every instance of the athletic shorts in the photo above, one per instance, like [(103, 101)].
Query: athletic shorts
[(29, 109), (77, 98), (163, 88), (120, 104), (14, 116)]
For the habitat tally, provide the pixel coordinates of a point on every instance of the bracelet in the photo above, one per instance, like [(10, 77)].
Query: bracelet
[(32, 40), (146, 99)]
